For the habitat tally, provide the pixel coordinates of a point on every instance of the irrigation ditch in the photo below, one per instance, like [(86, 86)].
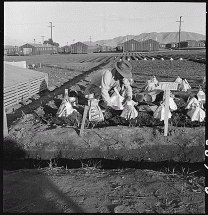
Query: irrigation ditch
[(167, 166), (15, 158)]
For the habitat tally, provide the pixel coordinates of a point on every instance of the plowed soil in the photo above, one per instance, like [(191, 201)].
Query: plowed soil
[(91, 189)]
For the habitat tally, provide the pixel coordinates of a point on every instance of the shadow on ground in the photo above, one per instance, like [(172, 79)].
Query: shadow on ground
[(35, 193)]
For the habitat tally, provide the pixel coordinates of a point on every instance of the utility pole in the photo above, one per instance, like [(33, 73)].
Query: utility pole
[(179, 33), (43, 38), (90, 39), (51, 29)]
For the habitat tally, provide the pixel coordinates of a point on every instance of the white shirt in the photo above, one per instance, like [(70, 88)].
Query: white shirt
[(105, 80)]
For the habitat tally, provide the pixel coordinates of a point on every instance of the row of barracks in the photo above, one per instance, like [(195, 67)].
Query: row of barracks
[(81, 48)]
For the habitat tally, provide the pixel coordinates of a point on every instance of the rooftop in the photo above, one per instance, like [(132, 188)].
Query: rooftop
[(9, 47), (40, 45), (15, 75)]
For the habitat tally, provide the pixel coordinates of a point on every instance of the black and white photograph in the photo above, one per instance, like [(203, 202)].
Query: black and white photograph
[(104, 107)]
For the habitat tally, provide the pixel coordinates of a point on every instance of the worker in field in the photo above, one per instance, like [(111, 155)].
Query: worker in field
[(105, 81)]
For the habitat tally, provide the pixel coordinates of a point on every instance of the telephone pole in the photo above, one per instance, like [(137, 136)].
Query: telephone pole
[(51, 29), (43, 38), (179, 32), (90, 39)]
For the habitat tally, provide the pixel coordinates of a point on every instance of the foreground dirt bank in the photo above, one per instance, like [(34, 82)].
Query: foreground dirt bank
[(113, 142)]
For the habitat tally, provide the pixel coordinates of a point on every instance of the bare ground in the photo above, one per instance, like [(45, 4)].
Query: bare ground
[(93, 190)]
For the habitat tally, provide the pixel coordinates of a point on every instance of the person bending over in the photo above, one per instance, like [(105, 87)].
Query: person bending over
[(105, 81)]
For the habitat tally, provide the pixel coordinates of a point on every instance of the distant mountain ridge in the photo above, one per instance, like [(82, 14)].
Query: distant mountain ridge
[(162, 37), (8, 41)]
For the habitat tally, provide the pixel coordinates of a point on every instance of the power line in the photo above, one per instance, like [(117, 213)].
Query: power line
[(171, 23), (179, 32), (84, 21), (43, 38), (51, 29)]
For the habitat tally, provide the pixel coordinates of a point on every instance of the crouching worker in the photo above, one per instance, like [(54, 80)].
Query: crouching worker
[(107, 82)]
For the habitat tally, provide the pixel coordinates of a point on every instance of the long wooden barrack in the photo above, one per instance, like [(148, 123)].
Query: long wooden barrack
[(20, 84)]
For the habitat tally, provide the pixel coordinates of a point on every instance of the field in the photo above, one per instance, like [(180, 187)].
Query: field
[(61, 68), (40, 135)]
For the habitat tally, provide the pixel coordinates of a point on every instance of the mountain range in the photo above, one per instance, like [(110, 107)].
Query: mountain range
[(162, 37), (8, 41)]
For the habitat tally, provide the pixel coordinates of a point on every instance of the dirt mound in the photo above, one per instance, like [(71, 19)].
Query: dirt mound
[(42, 140)]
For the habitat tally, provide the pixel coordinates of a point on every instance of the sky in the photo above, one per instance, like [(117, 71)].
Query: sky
[(85, 21)]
